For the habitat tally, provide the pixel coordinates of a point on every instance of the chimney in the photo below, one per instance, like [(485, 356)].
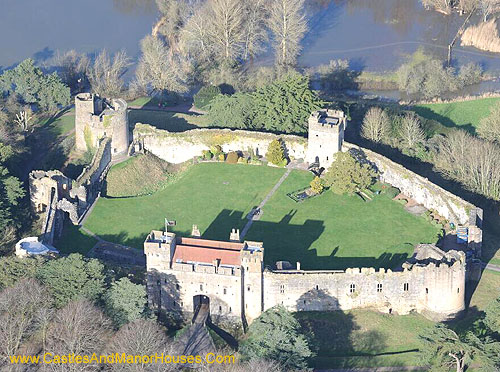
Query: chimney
[(298, 266), (195, 232), (235, 235)]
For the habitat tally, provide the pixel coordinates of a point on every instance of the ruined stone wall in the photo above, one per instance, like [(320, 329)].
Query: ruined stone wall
[(181, 147), (435, 291), (419, 188)]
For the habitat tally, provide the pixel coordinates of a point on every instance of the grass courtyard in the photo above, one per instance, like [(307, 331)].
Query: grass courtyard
[(325, 232)]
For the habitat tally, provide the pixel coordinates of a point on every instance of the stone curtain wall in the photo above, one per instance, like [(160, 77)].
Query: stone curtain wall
[(419, 188), (181, 147), (435, 291)]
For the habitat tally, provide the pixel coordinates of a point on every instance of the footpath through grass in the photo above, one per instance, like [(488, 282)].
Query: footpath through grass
[(464, 115)]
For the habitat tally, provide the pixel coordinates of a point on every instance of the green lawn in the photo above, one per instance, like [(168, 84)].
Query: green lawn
[(465, 115), (213, 196), (337, 231), (326, 232), (171, 121), (62, 124), (73, 240)]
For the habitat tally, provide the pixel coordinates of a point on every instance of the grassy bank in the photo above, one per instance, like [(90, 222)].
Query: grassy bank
[(171, 121), (464, 114)]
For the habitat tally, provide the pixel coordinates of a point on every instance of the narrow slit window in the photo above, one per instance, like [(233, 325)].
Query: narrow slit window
[(379, 287), (352, 288), (406, 287)]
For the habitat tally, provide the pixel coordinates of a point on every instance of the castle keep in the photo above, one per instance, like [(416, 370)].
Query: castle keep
[(97, 118), (182, 271)]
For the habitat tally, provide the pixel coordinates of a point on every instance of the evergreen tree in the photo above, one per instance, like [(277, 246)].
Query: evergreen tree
[(72, 278), (346, 175), (275, 335), (276, 153), (125, 301)]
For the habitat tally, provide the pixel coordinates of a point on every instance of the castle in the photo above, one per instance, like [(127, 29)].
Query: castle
[(231, 275), (183, 272)]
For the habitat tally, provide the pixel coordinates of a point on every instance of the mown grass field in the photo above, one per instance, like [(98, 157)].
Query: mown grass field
[(63, 124), (326, 232), (464, 115)]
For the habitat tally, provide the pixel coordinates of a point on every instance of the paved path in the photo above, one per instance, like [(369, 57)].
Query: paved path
[(254, 217), (491, 267)]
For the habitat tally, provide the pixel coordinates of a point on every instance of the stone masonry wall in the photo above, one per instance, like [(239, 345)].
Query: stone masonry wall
[(419, 188), (181, 147)]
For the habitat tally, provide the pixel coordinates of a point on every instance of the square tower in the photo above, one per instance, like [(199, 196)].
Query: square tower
[(325, 136)]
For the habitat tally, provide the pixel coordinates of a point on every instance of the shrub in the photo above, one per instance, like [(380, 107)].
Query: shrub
[(207, 154), (243, 160), (216, 150), (205, 95), (232, 157), (316, 185), (276, 153), (221, 157)]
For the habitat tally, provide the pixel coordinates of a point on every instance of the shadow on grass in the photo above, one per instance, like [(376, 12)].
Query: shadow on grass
[(160, 119), (427, 113)]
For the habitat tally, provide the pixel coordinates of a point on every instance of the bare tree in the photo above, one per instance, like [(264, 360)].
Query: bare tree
[(488, 7), (72, 68), (142, 337), (24, 118), (252, 365), (195, 36), (174, 14), (376, 125), (79, 328), (444, 6), (159, 69), (105, 74), (489, 127), (225, 28), (411, 131), (20, 306), (255, 34), (288, 25)]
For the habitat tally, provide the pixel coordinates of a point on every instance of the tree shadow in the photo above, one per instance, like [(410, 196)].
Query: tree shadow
[(166, 120), (43, 55), (427, 113)]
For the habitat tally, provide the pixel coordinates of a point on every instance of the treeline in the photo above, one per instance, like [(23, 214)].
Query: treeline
[(472, 161)]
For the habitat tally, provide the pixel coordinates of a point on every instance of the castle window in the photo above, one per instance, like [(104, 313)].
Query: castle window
[(406, 286), (201, 287), (282, 288), (304, 302), (317, 287), (379, 287), (182, 303), (225, 291), (327, 158), (230, 309), (427, 290), (158, 282), (175, 304), (458, 290), (248, 288), (176, 286), (352, 288), (220, 308)]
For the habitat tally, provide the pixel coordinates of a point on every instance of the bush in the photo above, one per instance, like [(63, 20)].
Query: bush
[(232, 157), (276, 153), (346, 175), (216, 150), (243, 160), (316, 185), (221, 157), (205, 95), (207, 155)]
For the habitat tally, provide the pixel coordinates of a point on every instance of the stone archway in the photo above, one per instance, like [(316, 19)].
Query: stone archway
[(199, 300)]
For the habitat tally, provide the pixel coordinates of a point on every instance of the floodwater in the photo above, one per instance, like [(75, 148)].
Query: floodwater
[(374, 35)]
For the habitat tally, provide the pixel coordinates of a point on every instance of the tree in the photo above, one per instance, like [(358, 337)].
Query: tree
[(317, 185), (334, 76), (346, 175), (24, 118), (79, 328), (34, 87), (288, 25), (376, 125), (489, 127), (71, 278), (159, 70), (20, 306), (14, 269), (174, 14), (410, 131), (492, 316), (440, 5), (275, 335), (141, 337), (125, 301), (72, 68), (276, 153), (446, 348), (285, 105), (488, 7), (195, 34), (225, 28), (105, 74), (254, 29), (205, 95)]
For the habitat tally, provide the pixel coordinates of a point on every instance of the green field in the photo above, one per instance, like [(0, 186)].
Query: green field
[(62, 124), (464, 115), (171, 121), (326, 232)]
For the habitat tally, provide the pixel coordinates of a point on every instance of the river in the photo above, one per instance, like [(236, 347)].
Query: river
[(374, 35)]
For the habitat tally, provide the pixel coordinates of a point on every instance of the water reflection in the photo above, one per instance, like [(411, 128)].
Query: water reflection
[(135, 6)]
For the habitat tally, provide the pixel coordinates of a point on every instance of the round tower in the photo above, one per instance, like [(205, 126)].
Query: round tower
[(120, 139)]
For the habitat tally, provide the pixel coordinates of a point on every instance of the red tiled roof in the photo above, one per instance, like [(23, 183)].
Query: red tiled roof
[(207, 251)]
